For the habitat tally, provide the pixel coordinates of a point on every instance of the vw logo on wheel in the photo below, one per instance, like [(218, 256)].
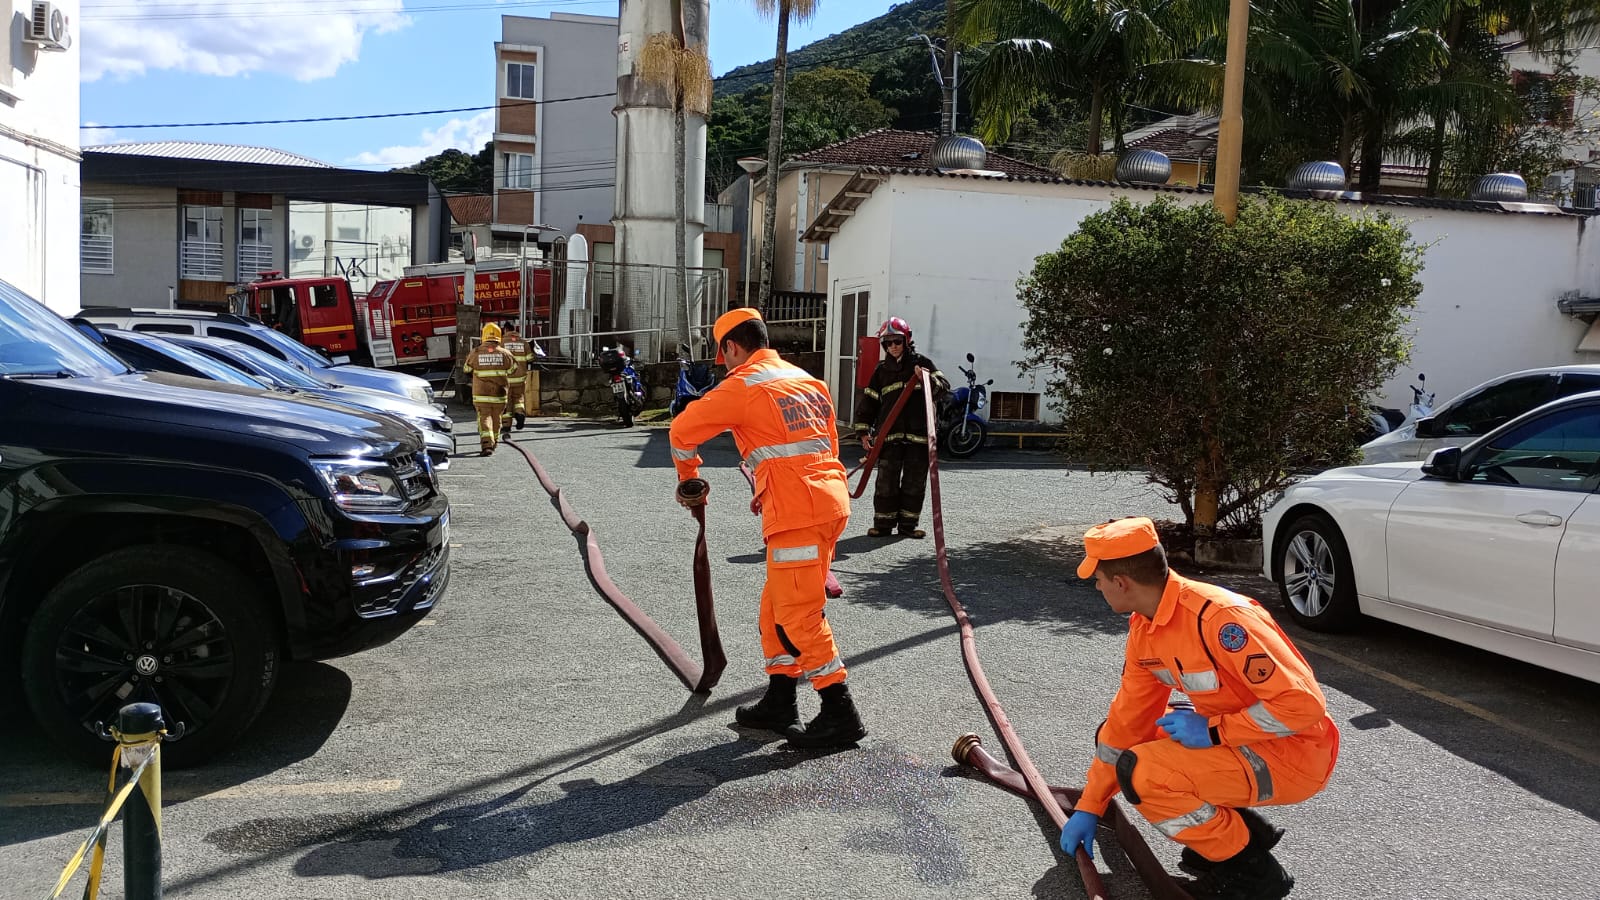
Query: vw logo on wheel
[(146, 665)]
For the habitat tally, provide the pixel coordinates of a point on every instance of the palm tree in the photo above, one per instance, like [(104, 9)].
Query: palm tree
[(786, 11), (1102, 53)]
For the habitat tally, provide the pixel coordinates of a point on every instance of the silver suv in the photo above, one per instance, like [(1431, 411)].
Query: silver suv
[(252, 333)]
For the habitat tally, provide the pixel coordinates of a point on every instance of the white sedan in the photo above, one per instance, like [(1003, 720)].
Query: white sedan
[(1495, 544)]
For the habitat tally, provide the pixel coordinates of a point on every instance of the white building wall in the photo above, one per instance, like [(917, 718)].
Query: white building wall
[(858, 261), (946, 255), (39, 163)]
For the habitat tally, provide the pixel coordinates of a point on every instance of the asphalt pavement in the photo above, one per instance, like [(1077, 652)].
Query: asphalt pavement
[(525, 742)]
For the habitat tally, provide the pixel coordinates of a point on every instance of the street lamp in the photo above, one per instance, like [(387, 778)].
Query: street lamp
[(751, 165)]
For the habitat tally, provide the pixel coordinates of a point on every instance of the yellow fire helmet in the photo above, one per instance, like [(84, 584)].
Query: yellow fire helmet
[(491, 332)]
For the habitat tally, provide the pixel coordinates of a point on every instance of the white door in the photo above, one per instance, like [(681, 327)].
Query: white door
[(1483, 548), (1578, 563), (853, 306)]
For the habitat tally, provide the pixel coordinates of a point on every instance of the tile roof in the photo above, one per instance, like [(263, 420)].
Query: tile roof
[(900, 149), (236, 153), (1175, 143), (471, 209)]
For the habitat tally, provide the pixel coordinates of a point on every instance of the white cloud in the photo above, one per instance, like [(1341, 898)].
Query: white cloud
[(89, 136), (463, 134), (297, 38)]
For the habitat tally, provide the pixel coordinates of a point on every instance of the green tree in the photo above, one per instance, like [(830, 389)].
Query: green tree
[(828, 105), (457, 172), (1219, 358)]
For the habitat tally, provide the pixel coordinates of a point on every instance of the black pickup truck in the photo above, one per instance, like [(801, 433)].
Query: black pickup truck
[(173, 540)]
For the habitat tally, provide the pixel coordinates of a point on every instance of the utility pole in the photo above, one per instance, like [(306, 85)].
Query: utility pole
[(1230, 130)]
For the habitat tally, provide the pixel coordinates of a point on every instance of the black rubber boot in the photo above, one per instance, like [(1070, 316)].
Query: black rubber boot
[(837, 725), (1262, 831), (776, 710), (1252, 874), (521, 420)]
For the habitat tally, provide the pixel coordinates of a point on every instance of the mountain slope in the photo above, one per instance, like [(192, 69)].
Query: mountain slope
[(867, 47)]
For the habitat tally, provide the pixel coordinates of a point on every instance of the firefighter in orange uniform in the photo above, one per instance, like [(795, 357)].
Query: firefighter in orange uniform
[(1258, 732), (517, 385), (782, 420), (490, 367)]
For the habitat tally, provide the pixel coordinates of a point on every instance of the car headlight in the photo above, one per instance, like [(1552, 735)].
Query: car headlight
[(422, 394), (361, 485)]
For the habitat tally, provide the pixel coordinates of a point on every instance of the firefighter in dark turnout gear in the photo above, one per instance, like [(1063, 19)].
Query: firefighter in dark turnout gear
[(902, 476)]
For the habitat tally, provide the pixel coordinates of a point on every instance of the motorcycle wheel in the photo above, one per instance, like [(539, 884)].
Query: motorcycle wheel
[(965, 438), (625, 412)]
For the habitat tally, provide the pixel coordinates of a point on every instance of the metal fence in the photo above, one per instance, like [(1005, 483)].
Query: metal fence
[(598, 304)]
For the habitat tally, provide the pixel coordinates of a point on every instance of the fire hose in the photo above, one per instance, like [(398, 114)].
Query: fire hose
[(1024, 781)]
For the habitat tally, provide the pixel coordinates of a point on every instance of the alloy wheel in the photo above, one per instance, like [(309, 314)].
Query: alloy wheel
[(1308, 573)]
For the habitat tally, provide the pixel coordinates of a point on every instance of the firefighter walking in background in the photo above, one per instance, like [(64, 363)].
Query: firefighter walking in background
[(1257, 734), (490, 367), (517, 386), (782, 421), (902, 474)]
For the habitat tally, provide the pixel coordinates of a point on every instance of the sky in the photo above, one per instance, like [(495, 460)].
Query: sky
[(187, 61)]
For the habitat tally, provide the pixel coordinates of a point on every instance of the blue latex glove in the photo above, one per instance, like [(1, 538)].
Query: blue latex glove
[(1079, 830), (1188, 728)]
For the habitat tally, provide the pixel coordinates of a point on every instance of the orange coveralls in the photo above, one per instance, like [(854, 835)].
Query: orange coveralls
[(1275, 741), (782, 421)]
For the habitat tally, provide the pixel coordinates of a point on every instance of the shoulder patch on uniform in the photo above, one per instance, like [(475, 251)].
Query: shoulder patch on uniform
[(1233, 637), (1258, 667)]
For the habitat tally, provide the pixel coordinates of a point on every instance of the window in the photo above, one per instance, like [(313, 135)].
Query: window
[(1008, 405), (1559, 451), (200, 255), (163, 328), (95, 245), (519, 170), (244, 337), (324, 296), (1547, 98), (520, 81), (255, 242), (1494, 406)]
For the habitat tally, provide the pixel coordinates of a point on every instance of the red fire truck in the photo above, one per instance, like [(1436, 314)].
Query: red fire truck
[(407, 322)]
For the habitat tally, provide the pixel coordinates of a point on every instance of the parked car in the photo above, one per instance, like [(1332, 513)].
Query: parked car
[(1479, 411), (174, 540), (203, 357), (254, 334), (1495, 544)]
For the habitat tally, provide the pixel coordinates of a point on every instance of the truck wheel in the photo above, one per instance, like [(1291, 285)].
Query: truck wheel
[(179, 628)]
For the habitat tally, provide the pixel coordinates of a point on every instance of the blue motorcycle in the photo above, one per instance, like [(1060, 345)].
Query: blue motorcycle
[(694, 380), (962, 431), (625, 383)]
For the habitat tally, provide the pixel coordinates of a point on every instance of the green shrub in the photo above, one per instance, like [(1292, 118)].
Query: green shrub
[(1220, 359)]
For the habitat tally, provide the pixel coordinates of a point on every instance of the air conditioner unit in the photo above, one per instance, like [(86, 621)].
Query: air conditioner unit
[(47, 28)]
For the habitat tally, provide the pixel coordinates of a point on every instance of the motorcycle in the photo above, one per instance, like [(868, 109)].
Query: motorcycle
[(961, 430), (1382, 420), (694, 380), (1421, 400), (625, 383)]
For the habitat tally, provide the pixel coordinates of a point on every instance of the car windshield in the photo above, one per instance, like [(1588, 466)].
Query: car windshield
[(276, 369), (35, 342), (298, 353), (201, 363)]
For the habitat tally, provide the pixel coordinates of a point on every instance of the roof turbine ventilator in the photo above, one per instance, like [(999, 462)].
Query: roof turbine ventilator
[(960, 151), (1324, 175), (1501, 187), (1144, 167)]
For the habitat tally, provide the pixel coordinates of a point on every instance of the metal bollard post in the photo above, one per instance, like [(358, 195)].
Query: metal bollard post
[(139, 727)]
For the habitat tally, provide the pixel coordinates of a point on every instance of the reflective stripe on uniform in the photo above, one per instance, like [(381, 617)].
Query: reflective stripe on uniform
[(479, 398), (1267, 722), (828, 668), (1263, 774), (1172, 827), (870, 393), (1199, 681), (767, 375), (777, 451), (1164, 676), (1107, 754), (795, 554), (891, 388), (905, 436), (782, 659), (684, 455), (490, 373)]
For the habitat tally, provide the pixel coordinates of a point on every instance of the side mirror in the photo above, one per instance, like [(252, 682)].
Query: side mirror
[(1444, 463), (990, 381), (1428, 427), (970, 359)]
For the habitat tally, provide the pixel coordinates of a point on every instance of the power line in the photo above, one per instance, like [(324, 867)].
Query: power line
[(276, 10), (399, 115)]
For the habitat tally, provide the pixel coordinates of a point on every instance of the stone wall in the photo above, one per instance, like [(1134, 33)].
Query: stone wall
[(589, 389)]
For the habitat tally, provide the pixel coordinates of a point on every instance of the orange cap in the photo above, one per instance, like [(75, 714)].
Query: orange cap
[(1117, 539), (730, 320)]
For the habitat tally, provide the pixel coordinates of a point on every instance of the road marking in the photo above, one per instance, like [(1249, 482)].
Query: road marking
[(1471, 709), (180, 792)]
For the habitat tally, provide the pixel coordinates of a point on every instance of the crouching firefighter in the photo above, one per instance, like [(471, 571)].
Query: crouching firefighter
[(1258, 732), (490, 367), (783, 423), (902, 472)]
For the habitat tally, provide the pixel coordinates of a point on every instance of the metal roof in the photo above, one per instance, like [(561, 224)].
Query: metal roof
[(234, 153)]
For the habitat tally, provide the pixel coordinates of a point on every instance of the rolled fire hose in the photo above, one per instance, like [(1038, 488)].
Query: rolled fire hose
[(696, 677)]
